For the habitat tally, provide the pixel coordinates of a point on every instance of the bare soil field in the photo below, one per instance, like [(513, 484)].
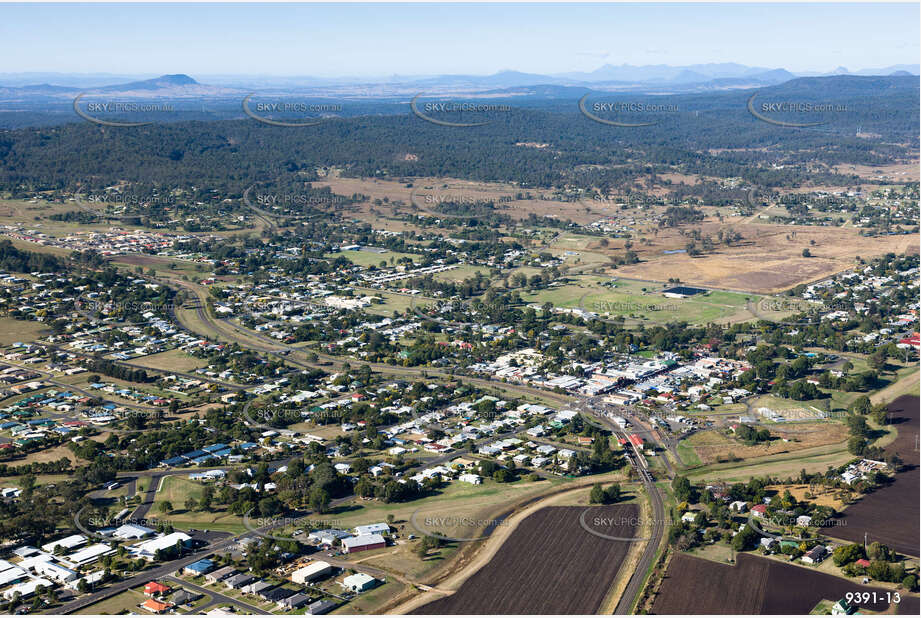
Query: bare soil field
[(755, 586), (899, 172), (799, 492), (712, 446), (768, 260), (426, 193), (890, 515), (549, 565)]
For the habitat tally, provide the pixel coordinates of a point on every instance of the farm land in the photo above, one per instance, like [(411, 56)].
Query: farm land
[(523, 578), (756, 586), (889, 514)]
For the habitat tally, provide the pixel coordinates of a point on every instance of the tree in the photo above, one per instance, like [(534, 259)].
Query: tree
[(847, 554), (807, 253), (597, 494), (319, 499), (683, 490), (190, 503), (746, 539), (878, 551), (166, 506), (861, 405)]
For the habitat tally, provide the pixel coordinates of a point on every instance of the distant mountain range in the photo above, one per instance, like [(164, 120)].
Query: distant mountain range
[(658, 79)]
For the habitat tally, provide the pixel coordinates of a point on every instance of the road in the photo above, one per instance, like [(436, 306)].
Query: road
[(216, 597), (638, 461), (291, 354)]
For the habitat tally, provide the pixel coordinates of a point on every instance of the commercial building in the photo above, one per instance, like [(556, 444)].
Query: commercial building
[(363, 542), (314, 570)]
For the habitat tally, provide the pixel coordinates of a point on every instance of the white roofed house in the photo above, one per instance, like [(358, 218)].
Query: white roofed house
[(739, 506), (362, 543), (56, 572), (69, 542), (379, 528), (87, 555), (132, 531), (148, 549), (27, 589), (314, 570), (359, 582)]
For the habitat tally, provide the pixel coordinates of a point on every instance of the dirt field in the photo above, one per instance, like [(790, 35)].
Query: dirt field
[(426, 193), (549, 565), (755, 586), (799, 492), (767, 261), (890, 515), (711, 446), (904, 172)]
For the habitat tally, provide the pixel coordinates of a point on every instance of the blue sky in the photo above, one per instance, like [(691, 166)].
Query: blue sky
[(419, 39)]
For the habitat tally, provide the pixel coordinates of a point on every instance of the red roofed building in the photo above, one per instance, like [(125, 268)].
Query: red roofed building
[(759, 510), (155, 588), (636, 440), (863, 562), (157, 607)]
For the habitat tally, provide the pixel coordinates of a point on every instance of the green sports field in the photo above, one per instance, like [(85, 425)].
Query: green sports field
[(644, 300)]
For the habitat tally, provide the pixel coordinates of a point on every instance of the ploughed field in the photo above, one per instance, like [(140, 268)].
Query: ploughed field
[(549, 565), (757, 586), (890, 515)]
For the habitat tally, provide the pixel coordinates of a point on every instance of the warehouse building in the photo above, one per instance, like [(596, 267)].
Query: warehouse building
[(363, 542)]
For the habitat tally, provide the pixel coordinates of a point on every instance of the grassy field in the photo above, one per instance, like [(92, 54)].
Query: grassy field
[(643, 300), (122, 603), (461, 273), (688, 456), (13, 331), (176, 490), (714, 446), (456, 499), (368, 602), (394, 302), (788, 464), (171, 360), (371, 258)]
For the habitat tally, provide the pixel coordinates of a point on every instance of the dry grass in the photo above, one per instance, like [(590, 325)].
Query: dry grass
[(768, 260), (820, 496), (712, 446), (12, 330)]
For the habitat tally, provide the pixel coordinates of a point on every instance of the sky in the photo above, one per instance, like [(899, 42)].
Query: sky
[(365, 40)]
